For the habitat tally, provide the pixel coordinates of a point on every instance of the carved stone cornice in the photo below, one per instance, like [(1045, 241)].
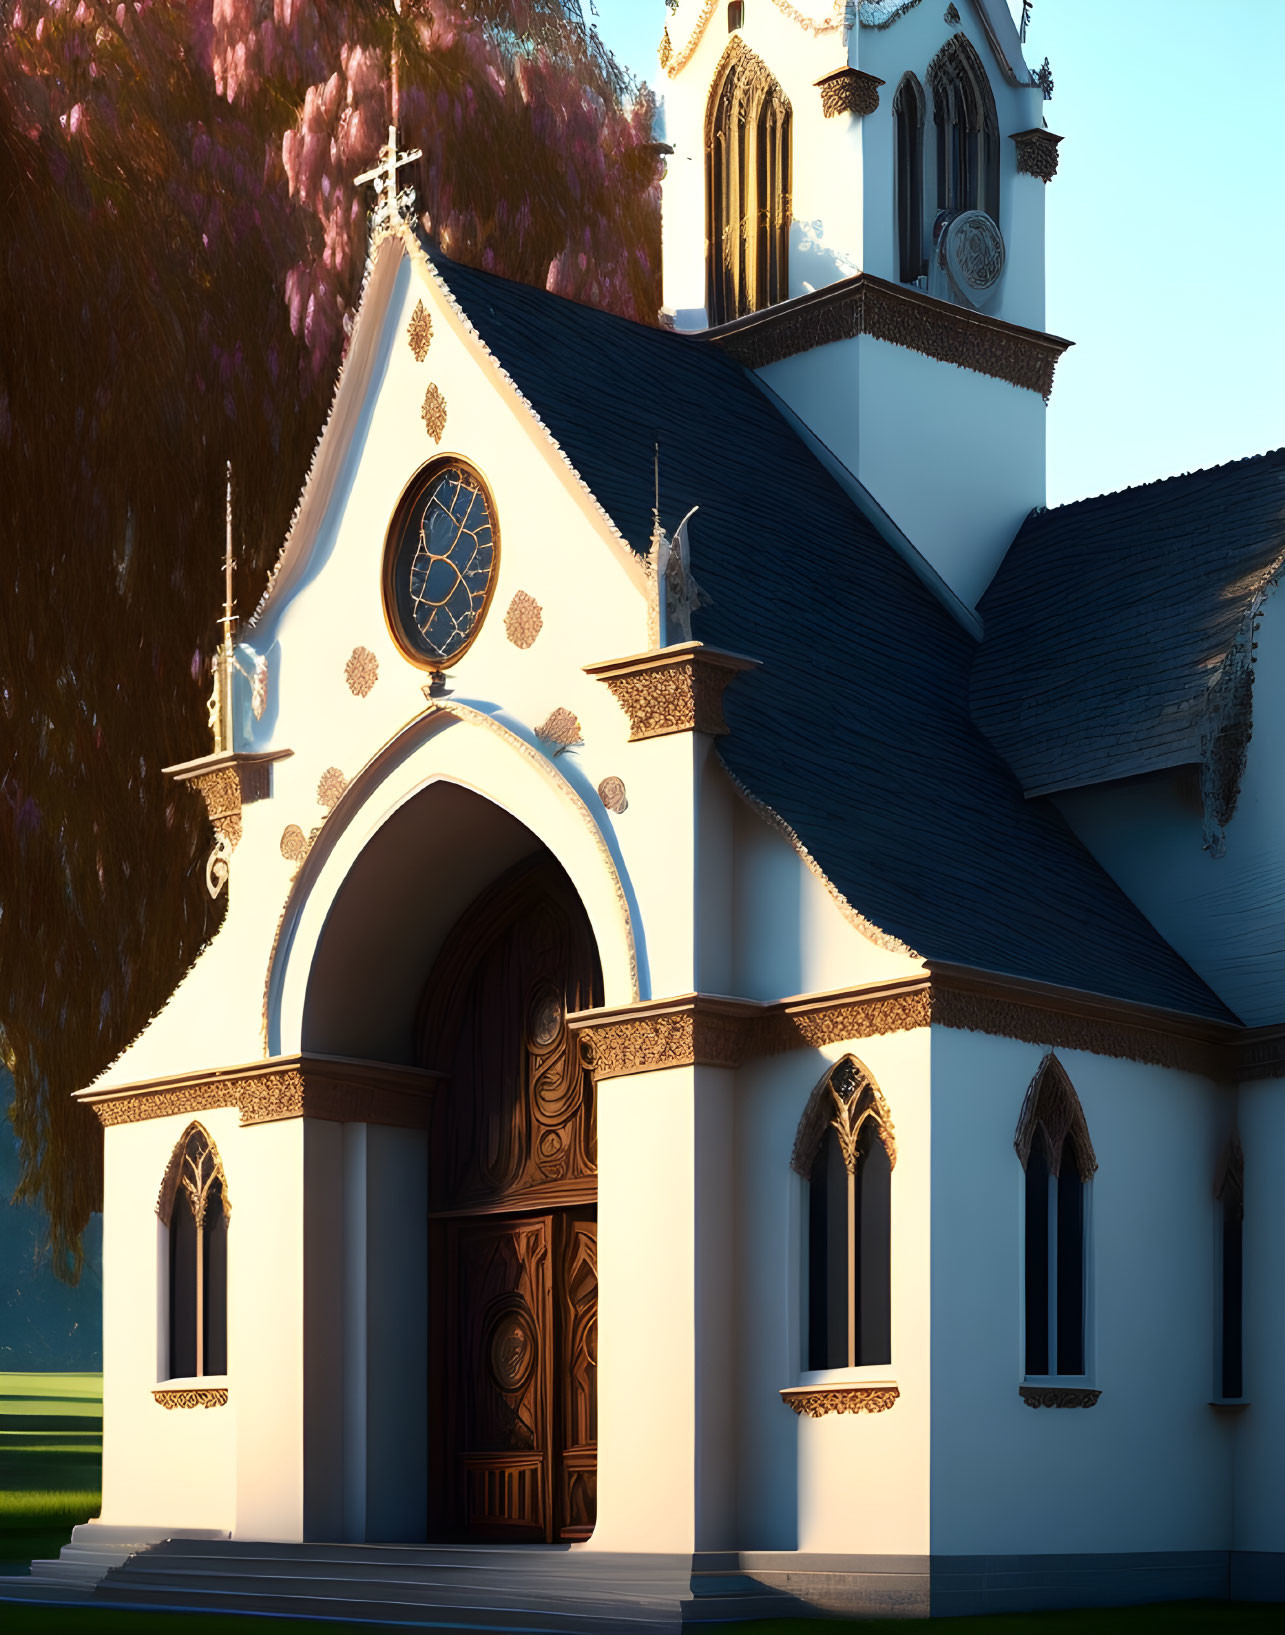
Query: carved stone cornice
[(227, 782), (1064, 1018), (674, 689), (818, 1400), (1057, 1396), (1037, 153), (848, 91), (1260, 1053), (214, 1396), (695, 1030), (813, 1020), (866, 305), (333, 1088)]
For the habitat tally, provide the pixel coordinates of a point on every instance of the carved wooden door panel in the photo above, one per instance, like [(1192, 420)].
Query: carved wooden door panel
[(503, 1348), (513, 1182), (577, 1371)]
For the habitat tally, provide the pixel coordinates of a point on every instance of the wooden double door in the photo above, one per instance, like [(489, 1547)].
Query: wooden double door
[(513, 1271)]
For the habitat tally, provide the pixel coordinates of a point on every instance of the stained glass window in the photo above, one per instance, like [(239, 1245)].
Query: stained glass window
[(442, 560)]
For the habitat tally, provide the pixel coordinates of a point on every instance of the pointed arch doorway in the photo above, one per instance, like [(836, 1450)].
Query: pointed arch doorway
[(513, 1283)]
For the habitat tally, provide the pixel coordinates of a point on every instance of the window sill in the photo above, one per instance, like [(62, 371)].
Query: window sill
[(841, 1397), (1054, 1395), (201, 1391), (1230, 1405)]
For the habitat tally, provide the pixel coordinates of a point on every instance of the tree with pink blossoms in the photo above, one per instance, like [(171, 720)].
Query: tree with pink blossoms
[(183, 249)]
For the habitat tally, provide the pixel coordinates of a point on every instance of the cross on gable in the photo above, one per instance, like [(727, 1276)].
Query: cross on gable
[(384, 175)]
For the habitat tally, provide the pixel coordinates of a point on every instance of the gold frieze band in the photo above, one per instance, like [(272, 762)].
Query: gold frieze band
[(818, 1400), (215, 1396), (227, 782), (1037, 153), (674, 689), (708, 1030), (1057, 1396), (848, 91), (866, 305), (326, 1087)]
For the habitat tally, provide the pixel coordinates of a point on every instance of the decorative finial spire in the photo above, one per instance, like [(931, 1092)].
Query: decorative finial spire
[(392, 207), (224, 660)]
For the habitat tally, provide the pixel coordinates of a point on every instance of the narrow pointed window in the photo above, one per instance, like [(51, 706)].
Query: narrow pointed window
[(1054, 1149), (735, 15), (967, 130), (194, 1206), (908, 128), (747, 188), (1231, 1199), (845, 1150)]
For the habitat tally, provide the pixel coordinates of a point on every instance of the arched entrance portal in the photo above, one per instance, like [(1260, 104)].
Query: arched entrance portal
[(512, 1216)]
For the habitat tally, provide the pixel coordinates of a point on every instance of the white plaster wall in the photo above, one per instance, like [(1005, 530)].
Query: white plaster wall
[(788, 934), (845, 1483), (1225, 915), (1150, 1466), (266, 1343), (1260, 1430), (955, 458), (170, 1467)]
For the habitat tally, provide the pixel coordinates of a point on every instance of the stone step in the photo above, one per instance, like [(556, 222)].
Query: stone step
[(563, 1620)]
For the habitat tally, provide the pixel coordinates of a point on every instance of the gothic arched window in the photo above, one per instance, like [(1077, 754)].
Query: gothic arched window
[(1231, 1344), (967, 130), (194, 1205), (747, 163), (845, 1150), (1053, 1145), (908, 131)]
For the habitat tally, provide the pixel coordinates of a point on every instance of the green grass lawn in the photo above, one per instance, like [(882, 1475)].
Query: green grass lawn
[(51, 1456)]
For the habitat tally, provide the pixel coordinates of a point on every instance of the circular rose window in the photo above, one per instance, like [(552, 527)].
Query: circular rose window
[(440, 563)]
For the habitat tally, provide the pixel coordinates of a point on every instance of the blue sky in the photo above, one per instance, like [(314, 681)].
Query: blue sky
[(1166, 228)]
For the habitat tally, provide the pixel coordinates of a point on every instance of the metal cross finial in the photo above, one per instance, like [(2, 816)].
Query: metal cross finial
[(1026, 19), (392, 205)]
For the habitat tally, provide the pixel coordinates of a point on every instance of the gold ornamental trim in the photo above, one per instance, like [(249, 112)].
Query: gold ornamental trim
[(1037, 153), (848, 91), (718, 1031), (334, 1088), (696, 1030), (226, 782), (866, 305), (674, 689), (214, 1396), (1057, 1396), (818, 1400)]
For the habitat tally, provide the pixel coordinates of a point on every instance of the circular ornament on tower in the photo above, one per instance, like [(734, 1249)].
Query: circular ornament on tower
[(440, 562), (972, 250)]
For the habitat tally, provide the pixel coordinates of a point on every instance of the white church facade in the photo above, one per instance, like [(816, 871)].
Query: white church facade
[(745, 1047)]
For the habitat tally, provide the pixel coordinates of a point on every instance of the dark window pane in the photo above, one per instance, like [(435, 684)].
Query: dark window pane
[(1233, 1382), (828, 1272), (873, 1257), (182, 1289), (216, 1284), (1037, 1259), (1070, 1265)]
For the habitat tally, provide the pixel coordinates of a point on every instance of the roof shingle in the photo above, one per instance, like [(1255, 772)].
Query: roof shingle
[(857, 729)]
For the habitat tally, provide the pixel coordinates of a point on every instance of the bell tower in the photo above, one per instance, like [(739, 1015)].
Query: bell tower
[(854, 208)]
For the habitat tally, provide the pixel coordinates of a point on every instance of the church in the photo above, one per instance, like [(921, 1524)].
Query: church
[(739, 1070)]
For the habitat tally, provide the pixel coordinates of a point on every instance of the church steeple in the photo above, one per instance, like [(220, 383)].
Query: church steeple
[(855, 208)]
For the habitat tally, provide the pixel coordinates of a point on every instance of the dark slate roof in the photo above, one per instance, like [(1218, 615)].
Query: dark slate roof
[(1111, 621), (856, 730)]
